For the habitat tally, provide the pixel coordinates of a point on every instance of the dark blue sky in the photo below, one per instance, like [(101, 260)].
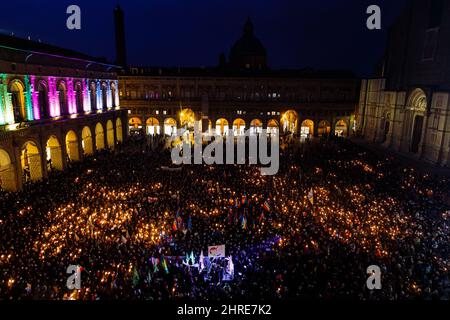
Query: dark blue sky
[(296, 33)]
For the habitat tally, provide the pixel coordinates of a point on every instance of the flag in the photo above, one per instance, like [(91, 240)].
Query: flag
[(216, 251), (174, 225), (164, 264), (135, 277), (124, 240), (155, 263), (230, 266), (266, 206), (228, 275), (311, 196), (244, 223), (201, 262)]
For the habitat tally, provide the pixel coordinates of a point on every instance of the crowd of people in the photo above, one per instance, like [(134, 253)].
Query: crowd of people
[(311, 231)]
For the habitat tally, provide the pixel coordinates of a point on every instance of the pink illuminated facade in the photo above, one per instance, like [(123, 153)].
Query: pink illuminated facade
[(56, 106)]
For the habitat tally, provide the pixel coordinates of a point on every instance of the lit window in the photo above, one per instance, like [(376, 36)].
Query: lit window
[(164, 112), (157, 112)]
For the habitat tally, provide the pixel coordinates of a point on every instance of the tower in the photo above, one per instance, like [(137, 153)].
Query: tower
[(121, 51)]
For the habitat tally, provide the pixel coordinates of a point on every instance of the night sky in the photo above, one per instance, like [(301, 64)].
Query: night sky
[(297, 33)]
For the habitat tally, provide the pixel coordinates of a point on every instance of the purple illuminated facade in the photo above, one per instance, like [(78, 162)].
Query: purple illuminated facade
[(56, 106)]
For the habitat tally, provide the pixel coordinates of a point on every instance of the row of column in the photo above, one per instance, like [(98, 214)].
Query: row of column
[(29, 97)]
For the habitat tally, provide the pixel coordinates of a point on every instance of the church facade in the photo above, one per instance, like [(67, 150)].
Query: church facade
[(407, 107)]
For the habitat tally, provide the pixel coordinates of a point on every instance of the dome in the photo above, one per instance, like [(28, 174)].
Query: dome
[(248, 52)]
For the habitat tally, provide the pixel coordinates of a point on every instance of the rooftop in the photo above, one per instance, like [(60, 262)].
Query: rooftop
[(30, 46), (307, 73)]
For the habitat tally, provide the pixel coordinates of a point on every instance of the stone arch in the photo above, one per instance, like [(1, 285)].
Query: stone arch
[(86, 141), (272, 126), (8, 180), (417, 100), (170, 126), (187, 118), (415, 119), (153, 127), (324, 128), (110, 134), (119, 130), (222, 126), (238, 127), (135, 123), (72, 147), (341, 128), (256, 126), (99, 137), (307, 128), (289, 121), (54, 154), (31, 162)]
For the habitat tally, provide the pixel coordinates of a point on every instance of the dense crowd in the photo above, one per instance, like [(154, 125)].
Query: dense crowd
[(310, 231)]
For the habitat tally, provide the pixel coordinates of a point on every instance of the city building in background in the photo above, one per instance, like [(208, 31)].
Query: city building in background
[(407, 108), (239, 94), (56, 106)]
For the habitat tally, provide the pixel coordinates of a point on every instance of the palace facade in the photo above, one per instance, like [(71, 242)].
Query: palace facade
[(238, 94), (407, 106), (56, 106)]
